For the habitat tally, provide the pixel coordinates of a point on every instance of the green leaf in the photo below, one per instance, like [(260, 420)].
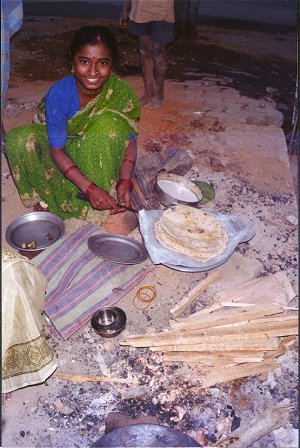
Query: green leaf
[(207, 191)]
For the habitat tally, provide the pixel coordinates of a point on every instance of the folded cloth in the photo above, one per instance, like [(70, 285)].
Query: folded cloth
[(79, 282), (170, 160), (27, 359)]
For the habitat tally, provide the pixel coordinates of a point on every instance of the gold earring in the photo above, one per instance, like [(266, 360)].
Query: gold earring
[(72, 69)]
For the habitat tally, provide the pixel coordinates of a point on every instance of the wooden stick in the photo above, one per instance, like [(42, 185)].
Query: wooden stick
[(224, 311), (226, 374), (186, 338), (80, 378), (208, 309), (249, 433), (194, 293), (287, 325), (214, 321), (260, 321), (255, 345), (211, 360), (240, 304)]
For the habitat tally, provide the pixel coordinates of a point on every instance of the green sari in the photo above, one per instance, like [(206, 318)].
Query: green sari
[(98, 136)]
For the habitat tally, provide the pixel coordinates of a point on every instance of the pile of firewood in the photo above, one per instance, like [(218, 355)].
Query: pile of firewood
[(230, 339)]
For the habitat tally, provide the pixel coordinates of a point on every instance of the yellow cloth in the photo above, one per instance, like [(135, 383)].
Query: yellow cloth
[(143, 11), (27, 358)]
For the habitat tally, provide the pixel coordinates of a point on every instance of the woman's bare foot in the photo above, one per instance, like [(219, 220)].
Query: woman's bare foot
[(41, 207), (155, 103)]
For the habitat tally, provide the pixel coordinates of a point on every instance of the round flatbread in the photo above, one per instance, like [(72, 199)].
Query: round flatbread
[(191, 232)]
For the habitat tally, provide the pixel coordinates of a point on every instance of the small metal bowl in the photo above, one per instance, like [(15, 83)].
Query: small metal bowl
[(109, 321), (172, 189)]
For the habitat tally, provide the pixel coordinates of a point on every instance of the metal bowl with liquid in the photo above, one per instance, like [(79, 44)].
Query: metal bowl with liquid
[(172, 189)]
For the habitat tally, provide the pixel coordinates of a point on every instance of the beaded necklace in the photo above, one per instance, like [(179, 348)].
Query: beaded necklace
[(89, 91)]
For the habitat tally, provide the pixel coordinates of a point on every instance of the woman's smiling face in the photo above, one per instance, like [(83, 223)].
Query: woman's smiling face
[(92, 66)]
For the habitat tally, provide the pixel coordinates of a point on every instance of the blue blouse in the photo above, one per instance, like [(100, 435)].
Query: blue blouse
[(62, 103)]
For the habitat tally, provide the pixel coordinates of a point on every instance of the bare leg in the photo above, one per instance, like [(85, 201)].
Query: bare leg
[(147, 67), (160, 66)]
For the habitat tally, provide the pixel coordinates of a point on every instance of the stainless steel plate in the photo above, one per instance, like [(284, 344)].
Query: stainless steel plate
[(145, 435), (116, 248), (42, 227), (206, 267)]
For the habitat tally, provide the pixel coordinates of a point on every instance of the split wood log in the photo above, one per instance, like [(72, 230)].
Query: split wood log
[(214, 321), (209, 309), (217, 376), (285, 344), (259, 321), (186, 338), (274, 288), (272, 326), (218, 354), (256, 428), (255, 345), (212, 360), (224, 311), (81, 378), (194, 293)]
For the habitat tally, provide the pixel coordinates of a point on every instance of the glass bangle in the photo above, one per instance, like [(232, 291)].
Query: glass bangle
[(90, 188), (70, 168)]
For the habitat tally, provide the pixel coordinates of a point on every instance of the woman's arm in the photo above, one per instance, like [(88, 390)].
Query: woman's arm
[(129, 160), (124, 185), (99, 198)]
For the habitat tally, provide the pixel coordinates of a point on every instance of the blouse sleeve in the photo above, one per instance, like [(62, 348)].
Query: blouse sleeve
[(62, 103), (56, 120)]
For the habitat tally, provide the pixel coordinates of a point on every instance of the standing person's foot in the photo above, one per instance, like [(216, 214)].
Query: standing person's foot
[(155, 103), (145, 99)]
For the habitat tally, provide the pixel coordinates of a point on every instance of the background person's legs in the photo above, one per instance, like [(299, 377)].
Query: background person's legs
[(153, 58), (147, 68), (159, 74)]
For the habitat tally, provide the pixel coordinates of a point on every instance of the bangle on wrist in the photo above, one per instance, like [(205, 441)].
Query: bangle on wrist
[(90, 188), (129, 160), (69, 168), (126, 182)]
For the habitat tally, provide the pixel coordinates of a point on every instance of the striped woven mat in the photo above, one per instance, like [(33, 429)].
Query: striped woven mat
[(80, 282)]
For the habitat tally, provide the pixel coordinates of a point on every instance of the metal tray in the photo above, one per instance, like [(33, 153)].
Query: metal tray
[(116, 248), (44, 228), (145, 435)]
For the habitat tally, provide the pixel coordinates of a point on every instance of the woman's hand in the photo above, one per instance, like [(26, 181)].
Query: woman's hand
[(123, 193), (99, 198)]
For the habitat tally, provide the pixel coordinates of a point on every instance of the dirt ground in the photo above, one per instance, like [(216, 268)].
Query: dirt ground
[(229, 103)]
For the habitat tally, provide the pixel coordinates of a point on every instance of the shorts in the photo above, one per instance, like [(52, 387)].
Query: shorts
[(160, 32)]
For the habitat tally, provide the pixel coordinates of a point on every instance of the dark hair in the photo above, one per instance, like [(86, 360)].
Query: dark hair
[(93, 35)]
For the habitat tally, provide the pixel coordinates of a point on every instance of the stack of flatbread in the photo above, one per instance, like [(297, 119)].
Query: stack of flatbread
[(191, 232)]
